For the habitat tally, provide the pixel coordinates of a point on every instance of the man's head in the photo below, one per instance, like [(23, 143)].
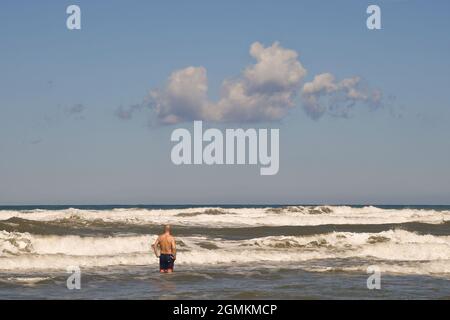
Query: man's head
[(167, 228)]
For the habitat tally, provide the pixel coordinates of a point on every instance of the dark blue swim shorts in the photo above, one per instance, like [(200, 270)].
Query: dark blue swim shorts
[(166, 262)]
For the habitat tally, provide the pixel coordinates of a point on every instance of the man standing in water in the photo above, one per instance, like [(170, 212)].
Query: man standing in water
[(166, 245)]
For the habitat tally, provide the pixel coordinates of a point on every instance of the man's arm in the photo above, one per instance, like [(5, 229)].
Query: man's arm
[(155, 247), (174, 249)]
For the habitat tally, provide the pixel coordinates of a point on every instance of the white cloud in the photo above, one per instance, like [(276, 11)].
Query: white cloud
[(277, 69), (183, 98), (326, 95), (264, 91)]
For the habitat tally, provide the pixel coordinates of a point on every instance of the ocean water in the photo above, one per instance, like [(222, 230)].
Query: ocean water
[(226, 252)]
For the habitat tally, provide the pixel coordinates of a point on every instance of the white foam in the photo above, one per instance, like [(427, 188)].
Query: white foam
[(241, 217), (437, 268), (25, 280), (406, 251), (14, 243)]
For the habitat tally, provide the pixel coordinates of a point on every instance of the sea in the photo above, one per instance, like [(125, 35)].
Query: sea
[(226, 252)]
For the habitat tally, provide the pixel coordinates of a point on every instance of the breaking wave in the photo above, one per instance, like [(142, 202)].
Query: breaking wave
[(235, 217), (397, 251)]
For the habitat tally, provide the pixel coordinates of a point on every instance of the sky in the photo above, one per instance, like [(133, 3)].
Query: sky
[(86, 115)]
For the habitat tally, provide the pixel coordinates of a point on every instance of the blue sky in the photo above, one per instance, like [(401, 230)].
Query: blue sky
[(62, 143)]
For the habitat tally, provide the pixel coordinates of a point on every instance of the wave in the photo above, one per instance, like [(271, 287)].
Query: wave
[(102, 228), (405, 250), (27, 281), (235, 217), (439, 267)]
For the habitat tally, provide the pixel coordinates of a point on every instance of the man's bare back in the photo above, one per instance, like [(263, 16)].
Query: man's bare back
[(166, 243), (167, 247)]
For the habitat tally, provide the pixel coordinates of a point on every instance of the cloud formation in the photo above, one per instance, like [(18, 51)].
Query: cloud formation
[(326, 95), (183, 98), (264, 91)]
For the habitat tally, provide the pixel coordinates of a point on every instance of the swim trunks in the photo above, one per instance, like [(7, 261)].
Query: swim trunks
[(166, 262)]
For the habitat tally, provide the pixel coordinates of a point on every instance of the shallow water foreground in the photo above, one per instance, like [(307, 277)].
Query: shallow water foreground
[(218, 283)]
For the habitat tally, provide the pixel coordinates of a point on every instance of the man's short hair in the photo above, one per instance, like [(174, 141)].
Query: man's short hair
[(167, 228)]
